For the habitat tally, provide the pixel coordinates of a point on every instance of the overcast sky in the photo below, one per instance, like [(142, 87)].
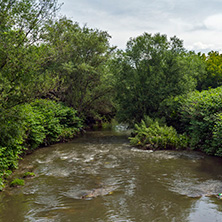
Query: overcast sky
[(197, 22)]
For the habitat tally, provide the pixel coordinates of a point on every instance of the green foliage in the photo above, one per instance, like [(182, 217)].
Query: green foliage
[(68, 133), (22, 71), (109, 124), (152, 69), (17, 182), (216, 143), (200, 115), (154, 134), (212, 77), (28, 174), (29, 126), (50, 123), (2, 185), (4, 174), (12, 134), (80, 60), (170, 110)]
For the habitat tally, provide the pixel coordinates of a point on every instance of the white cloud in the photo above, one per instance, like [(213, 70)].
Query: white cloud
[(200, 46), (214, 22)]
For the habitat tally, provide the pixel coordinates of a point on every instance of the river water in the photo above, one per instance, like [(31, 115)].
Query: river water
[(100, 177)]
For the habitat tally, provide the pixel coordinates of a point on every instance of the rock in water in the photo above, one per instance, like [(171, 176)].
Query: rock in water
[(103, 191)]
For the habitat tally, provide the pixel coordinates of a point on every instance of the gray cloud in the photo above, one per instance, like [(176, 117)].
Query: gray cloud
[(197, 22)]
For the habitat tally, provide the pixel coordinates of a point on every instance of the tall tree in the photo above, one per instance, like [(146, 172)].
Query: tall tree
[(152, 69), (80, 58), (21, 26)]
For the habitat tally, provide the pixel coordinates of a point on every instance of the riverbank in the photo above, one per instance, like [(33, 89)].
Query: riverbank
[(29, 126)]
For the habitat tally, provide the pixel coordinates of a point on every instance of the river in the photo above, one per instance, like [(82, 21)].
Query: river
[(100, 177)]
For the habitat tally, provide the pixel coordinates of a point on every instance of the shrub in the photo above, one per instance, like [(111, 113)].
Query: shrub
[(200, 116), (50, 122), (216, 143), (154, 134), (17, 182)]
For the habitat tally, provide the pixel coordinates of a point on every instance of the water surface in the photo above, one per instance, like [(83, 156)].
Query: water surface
[(128, 184)]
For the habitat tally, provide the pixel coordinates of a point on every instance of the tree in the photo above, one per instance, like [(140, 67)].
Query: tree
[(21, 26), (149, 71), (212, 77), (22, 74), (80, 59)]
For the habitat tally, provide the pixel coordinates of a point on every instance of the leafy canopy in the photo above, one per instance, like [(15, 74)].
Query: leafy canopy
[(80, 59), (151, 69), (212, 77), (22, 23)]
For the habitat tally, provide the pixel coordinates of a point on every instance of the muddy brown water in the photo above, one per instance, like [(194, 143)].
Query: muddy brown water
[(100, 177)]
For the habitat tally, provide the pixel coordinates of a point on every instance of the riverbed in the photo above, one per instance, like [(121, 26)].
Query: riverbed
[(100, 177)]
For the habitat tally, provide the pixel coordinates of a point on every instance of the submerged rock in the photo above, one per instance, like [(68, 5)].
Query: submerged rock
[(219, 196), (103, 191)]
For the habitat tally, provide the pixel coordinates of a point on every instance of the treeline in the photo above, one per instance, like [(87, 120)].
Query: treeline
[(57, 77)]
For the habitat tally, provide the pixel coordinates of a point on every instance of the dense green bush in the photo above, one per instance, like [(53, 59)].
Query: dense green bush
[(154, 134), (28, 126), (51, 122), (12, 132), (199, 114)]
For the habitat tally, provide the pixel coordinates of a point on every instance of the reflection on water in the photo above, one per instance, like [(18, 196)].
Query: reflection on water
[(99, 177)]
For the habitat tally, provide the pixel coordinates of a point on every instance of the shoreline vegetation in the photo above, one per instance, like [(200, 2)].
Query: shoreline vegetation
[(57, 78), (198, 118), (37, 124)]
